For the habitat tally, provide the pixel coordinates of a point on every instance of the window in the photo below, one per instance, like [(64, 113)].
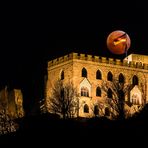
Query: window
[(135, 99), (107, 111), (98, 91), (109, 93), (86, 108), (135, 80), (110, 76), (84, 92), (84, 72), (62, 75), (121, 78), (96, 110), (98, 75)]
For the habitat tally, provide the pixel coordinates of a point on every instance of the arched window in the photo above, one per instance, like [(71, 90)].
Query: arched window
[(135, 99), (98, 91), (109, 93), (109, 76), (84, 92), (84, 72), (135, 80), (98, 75), (121, 78), (62, 75), (86, 108), (107, 111), (96, 110)]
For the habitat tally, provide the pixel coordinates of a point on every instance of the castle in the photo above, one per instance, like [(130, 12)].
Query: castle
[(87, 72)]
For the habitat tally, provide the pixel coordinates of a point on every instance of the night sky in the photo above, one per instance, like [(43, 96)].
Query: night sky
[(33, 34)]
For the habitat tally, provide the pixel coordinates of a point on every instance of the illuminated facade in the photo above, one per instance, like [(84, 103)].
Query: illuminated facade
[(86, 72)]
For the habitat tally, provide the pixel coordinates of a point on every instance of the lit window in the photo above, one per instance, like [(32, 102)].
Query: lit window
[(135, 99), (84, 92)]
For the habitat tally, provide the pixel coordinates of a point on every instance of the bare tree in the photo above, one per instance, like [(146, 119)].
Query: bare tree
[(115, 93), (64, 100)]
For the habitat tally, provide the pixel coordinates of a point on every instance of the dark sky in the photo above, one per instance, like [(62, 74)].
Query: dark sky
[(32, 34)]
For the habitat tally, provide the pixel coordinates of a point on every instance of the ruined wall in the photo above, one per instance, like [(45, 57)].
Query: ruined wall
[(12, 102)]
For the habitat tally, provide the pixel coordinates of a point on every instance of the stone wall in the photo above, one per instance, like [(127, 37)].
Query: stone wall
[(73, 64), (12, 102)]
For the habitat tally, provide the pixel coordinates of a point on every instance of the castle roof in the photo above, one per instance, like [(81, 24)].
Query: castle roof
[(137, 58)]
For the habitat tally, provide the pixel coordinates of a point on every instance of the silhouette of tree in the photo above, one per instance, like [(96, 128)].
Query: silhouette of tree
[(64, 100), (115, 93)]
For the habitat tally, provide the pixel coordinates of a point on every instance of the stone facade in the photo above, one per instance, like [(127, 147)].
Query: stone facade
[(82, 71), (11, 101)]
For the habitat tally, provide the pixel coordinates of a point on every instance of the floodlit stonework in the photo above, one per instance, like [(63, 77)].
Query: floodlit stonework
[(86, 72), (11, 101)]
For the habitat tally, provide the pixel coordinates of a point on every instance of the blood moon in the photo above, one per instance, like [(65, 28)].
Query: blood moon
[(118, 42)]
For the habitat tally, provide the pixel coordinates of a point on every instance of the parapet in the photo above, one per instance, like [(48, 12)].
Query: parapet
[(118, 62), (98, 59), (111, 61), (89, 57)]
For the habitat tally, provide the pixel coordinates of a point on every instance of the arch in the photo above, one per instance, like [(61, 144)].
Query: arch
[(109, 93), (135, 80), (121, 78), (98, 75), (84, 72), (107, 111), (96, 110), (62, 75), (98, 91), (136, 100), (109, 76), (86, 108), (84, 91)]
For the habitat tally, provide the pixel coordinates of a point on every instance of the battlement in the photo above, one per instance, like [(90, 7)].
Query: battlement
[(98, 59)]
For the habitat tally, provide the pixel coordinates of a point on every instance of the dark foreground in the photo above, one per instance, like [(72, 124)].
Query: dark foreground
[(48, 130)]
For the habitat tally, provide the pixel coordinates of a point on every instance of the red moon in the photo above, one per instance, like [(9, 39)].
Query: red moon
[(118, 42)]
